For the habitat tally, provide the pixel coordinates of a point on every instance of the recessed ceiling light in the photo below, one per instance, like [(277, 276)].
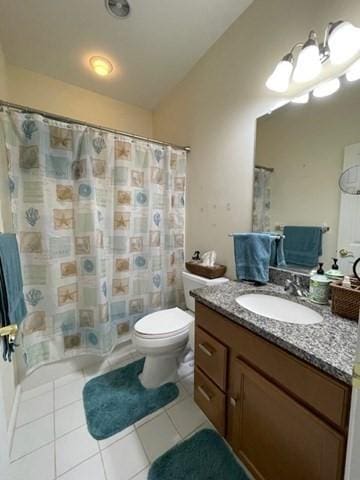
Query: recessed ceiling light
[(101, 66)]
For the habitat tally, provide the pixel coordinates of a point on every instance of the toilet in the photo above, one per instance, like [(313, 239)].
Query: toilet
[(163, 336)]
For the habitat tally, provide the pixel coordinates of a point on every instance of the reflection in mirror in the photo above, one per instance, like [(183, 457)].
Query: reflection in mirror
[(307, 179)]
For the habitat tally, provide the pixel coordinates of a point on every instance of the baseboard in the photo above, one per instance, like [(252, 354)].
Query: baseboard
[(13, 416)]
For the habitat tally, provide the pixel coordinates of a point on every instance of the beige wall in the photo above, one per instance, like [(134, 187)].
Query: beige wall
[(215, 107), (45, 93), (305, 146)]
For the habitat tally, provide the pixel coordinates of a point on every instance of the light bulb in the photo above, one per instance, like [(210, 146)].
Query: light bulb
[(353, 73), (301, 98), (344, 42), (308, 65), (327, 88), (101, 66), (280, 78)]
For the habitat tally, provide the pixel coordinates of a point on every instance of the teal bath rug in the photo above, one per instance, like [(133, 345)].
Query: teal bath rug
[(117, 399), (204, 456)]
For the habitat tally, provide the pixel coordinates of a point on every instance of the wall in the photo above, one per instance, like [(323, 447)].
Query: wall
[(45, 93), (305, 146), (7, 370), (214, 110)]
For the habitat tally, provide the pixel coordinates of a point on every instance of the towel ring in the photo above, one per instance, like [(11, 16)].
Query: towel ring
[(355, 269)]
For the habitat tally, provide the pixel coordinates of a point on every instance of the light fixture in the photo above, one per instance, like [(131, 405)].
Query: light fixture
[(308, 65), (343, 41), (280, 78), (327, 88), (118, 8), (301, 98), (101, 66), (353, 73)]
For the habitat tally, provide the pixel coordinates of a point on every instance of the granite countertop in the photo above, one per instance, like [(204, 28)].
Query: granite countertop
[(329, 345)]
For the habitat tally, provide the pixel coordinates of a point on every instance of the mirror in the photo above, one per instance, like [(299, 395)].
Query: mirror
[(307, 175)]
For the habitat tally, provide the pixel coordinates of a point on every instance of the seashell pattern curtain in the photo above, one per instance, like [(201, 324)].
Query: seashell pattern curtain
[(100, 223), (262, 200)]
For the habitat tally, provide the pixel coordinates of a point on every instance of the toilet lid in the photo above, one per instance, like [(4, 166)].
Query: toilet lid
[(164, 322)]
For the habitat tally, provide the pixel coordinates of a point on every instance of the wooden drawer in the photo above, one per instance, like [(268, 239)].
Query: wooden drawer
[(211, 357), (211, 400), (317, 390)]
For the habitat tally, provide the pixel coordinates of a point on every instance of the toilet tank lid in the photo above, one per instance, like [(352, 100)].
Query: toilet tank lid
[(165, 321), (205, 281)]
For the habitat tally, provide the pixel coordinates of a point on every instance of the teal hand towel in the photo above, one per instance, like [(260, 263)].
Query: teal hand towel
[(252, 256), (277, 251), (12, 284), (302, 245)]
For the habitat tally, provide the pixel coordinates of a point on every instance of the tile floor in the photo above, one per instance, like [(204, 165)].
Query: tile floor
[(51, 439)]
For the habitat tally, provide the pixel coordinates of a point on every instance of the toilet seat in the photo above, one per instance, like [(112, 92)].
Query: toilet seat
[(163, 324)]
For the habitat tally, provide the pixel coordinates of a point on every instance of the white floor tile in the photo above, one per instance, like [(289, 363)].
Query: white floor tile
[(188, 384), (74, 448), (71, 377), (114, 438), (157, 436), (91, 469), (97, 369), (182, 395), (142, 475), (120, 360), (37, 391), (39, 465), (137, 355), (186, 416), (34, 408), (125, 458), (69, 418), (149, 417), (69, 393), (33, 436)]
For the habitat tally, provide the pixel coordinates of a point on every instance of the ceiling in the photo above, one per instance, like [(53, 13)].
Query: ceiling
[(152, 49)]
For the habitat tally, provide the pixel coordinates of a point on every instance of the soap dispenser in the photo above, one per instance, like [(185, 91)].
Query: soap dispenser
[(320, 287), (335, 274)]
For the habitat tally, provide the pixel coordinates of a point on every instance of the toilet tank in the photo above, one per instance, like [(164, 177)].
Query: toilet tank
[(192, 281)]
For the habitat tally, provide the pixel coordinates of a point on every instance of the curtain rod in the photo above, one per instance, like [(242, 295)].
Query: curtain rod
[(61, 118)]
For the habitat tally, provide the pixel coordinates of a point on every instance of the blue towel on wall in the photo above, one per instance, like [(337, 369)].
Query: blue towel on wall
[(12, 303), (303, 245), (252, 256)]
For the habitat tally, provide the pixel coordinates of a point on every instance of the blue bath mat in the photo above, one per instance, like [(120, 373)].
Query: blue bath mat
[(205, 456), (117, 399)]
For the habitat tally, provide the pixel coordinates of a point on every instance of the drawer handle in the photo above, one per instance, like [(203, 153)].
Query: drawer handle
[(206, 350), (233, 402), (204, 394)]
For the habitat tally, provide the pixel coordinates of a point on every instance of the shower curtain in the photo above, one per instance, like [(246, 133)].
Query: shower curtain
[(262, 200), (100, 224)]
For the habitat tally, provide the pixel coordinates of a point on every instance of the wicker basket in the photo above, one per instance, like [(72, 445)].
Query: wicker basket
[(209, 272), (345, 301)]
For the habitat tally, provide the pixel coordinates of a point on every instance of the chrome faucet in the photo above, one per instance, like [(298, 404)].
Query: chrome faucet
[(294, 287)]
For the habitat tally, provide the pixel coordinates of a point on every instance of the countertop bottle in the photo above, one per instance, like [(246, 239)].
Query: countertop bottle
[(320, 287)]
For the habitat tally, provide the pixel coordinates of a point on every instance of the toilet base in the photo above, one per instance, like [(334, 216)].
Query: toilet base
[(159, 370)]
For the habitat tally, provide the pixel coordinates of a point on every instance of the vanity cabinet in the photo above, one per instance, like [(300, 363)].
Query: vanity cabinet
[(284, 418)]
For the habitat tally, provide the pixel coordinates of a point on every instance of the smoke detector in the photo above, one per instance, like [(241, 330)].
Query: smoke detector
[(118, 8)]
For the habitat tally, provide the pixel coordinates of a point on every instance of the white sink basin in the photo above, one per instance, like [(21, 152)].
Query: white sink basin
[(279, 309)]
